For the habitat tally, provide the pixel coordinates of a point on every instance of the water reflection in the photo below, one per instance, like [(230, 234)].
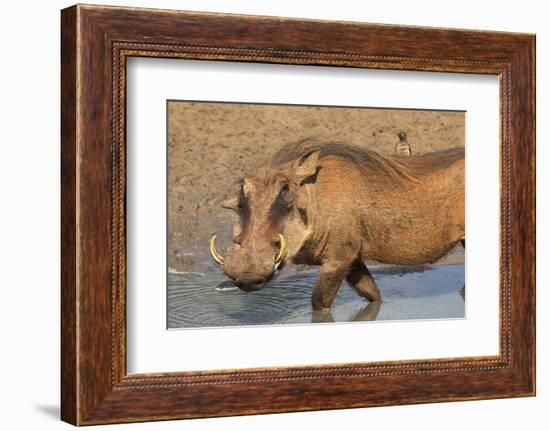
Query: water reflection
[(210, 300), (368, 312)]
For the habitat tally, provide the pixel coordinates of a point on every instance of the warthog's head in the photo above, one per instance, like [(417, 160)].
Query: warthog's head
[(272, 205)]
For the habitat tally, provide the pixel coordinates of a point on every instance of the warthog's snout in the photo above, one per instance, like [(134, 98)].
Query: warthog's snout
[(250, 282), (251, 268)]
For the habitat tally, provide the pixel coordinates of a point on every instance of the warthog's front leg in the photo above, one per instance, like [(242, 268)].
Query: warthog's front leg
[(361, 280), (329, 281)]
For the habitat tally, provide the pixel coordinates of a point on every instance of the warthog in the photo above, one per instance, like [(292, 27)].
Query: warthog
[(337, 206)]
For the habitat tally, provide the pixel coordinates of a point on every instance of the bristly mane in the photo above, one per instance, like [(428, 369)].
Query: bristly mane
[(368, 160)]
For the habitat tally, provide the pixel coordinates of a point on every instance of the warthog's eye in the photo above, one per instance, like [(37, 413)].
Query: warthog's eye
[(284, 198), (242, 198), (303, 215), (282, 204), (243, 209)]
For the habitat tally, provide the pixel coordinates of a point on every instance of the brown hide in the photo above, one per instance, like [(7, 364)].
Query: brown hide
[(338, 205)]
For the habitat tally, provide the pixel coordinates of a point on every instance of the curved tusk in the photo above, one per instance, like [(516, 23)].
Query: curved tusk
[(215, 255), (282, 251)]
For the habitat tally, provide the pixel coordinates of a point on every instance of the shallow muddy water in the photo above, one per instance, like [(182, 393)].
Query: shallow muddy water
[(210, 300)]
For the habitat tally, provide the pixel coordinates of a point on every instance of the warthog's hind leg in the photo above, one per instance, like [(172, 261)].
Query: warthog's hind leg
[(361, 280), (327, 286)]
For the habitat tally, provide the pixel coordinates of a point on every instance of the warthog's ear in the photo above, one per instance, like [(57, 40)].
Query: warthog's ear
[(231, 203), (306, 166)]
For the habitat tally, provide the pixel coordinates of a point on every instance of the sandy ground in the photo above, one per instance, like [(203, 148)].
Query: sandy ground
[(211, 145)]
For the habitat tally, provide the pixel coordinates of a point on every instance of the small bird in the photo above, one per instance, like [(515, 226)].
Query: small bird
[(402, 148)]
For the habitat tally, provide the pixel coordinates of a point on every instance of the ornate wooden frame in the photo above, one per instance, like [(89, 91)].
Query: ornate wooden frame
[(95, 43)]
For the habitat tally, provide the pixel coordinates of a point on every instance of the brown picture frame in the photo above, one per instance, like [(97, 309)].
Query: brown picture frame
[(95, 43)]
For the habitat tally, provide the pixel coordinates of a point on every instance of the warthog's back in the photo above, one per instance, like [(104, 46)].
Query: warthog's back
[(430, 163)]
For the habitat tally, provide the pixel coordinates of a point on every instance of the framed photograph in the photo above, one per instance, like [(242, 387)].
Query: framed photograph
[(263, 214)]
